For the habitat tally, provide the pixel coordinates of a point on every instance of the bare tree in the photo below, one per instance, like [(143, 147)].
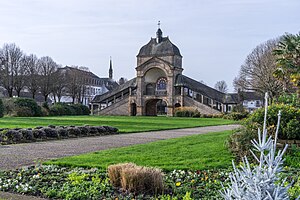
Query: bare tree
[(221, 86), (256, 74), (75, 83), (47, 68), (59, 85), (11, 70), (32, 70)]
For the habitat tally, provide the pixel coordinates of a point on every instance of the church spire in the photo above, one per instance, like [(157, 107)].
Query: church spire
[(110, 72), (158, 33)]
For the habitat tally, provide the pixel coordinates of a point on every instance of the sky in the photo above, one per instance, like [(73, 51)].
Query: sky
[(214, 36)]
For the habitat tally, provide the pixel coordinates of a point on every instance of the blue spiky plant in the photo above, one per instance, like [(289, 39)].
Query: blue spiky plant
[(260, 182)]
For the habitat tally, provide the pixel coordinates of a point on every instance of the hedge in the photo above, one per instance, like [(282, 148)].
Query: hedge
[(17, 135), (60, 109)]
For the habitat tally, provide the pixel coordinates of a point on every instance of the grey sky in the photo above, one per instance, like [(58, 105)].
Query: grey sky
[(213, 36)]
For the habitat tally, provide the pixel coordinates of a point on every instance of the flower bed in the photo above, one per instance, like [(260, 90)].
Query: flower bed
[(17, 135), (78, 183)]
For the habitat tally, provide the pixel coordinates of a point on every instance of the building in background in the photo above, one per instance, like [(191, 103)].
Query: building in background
[(160, 87)]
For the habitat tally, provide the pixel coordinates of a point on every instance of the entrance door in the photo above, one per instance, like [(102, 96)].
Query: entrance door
[(161, 107)]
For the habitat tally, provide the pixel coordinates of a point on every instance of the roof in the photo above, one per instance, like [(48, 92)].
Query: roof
[(130, 83), (163, 48), (196, 86), (109, 83)]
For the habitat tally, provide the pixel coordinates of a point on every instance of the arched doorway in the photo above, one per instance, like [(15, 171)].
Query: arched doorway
[(177, 105), (133, 109), (161, 107)]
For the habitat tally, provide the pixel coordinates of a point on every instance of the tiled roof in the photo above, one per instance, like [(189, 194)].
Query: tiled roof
[(163, 48), (130, 83)]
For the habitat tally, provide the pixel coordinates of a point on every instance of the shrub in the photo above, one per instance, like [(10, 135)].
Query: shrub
[(187, 112), (237, 115), (39, 133), (27, 134), (27, 107), (1, 108), (240, 142), (51, 132), (73, 131), (84, 130), (288, 113), (260, 181), (62, 132), (292, 129), (9, 106), (59, 109), (136, 179)]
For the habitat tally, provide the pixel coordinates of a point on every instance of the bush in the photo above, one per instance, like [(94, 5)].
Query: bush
[(136, 179), (27, 134), (187, 112), (39, 133), (51, 132), (9, 106), (26, 107), (292, 129), (18, 135), (288, 113), (59, 109), (237, 115), (1, 108)]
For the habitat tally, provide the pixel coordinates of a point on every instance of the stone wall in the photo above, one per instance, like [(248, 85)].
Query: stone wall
[(118, 108), (202, 108)]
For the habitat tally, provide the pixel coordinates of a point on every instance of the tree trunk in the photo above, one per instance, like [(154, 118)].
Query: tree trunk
[(46, 97), (10, 92)]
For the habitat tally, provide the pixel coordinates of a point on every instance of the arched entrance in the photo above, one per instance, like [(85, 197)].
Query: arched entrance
[(161, 107), (133, 109), (156, 107)]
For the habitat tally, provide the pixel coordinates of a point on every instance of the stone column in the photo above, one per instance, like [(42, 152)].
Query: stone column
[(182, 95), (92, 109)]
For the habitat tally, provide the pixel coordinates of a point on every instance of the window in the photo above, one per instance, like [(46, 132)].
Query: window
[(161, 84)]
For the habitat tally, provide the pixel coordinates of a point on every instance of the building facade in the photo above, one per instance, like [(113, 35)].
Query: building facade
[(160, 87)]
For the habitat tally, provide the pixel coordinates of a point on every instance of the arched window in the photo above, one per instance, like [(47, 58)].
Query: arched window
[(161, 84)]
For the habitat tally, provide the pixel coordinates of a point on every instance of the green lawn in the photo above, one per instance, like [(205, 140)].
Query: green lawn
[(192, 152), (123, 123)]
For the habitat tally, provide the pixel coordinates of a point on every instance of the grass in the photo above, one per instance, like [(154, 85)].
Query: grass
[(125, 124), (192, 152)]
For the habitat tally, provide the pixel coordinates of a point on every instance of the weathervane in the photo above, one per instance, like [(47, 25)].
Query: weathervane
[(158, 24)]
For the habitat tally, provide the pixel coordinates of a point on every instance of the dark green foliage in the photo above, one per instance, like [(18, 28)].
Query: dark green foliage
[(1, 108), (60, 109), (292, 157), (240, 142), (237, 115), (51, 132), (26, 107), (187, 113), (292, 129), (289, 99), (288, 113), (18, 135)]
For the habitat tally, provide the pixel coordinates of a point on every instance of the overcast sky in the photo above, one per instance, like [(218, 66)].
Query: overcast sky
[(214, 36)]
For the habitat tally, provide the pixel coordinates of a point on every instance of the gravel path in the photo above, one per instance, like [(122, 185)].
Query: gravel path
[(18, 155)]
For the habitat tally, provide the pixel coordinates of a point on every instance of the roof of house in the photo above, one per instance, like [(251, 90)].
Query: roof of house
[(119, 88), (182, 80), (110, 84)]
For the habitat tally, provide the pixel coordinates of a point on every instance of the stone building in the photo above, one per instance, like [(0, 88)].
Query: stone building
[(160, 87)]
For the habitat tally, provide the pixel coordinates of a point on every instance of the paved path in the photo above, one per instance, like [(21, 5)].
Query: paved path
[(17, 155), (14, 156)]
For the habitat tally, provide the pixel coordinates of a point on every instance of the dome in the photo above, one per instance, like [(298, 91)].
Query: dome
[(160, 46)]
